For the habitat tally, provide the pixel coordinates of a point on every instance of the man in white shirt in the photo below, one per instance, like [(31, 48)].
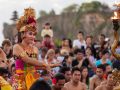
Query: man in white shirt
[(80, 42)]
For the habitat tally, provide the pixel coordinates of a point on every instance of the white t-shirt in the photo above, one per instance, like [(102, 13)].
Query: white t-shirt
[(78, 44), (47, 32)]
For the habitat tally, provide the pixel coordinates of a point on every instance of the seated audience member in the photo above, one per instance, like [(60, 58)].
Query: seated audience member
[(80, 59), (52, 61), (75, 83), (7, 48), (3, 59), (67, 62), (91, 44), (104, 59), (66, 45), (98, 78), (43, 53), (79, 42), (67, 73), (109, 84), (4, 85), (59, 81), (46, 76), (84, 76), (47, 42), (40, 85)]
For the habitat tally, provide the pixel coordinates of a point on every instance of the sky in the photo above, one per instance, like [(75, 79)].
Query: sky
[(8, 6)]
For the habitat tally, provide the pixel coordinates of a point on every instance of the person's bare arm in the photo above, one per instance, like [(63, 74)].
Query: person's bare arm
[(64, 88), (2, 56), (84, 86), (114, 45), (99, 88), (54, 65), (19, 52), (80, 64), (92, 84)]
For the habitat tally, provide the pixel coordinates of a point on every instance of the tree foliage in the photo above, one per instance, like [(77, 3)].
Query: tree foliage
[(43, 13), (94, 6), (71, 8), (52, 12)]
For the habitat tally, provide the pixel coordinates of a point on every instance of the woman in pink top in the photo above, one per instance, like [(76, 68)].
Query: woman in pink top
[(26, 54)]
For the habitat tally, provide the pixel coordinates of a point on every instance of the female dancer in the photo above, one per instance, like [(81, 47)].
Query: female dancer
[(26, 54)]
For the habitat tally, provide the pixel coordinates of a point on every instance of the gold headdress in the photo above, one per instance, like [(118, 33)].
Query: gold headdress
[(27, 22)]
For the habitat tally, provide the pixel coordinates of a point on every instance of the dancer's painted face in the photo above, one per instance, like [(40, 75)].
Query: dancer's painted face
[(30, 37)]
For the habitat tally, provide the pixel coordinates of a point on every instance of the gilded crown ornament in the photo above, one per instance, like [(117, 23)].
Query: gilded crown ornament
[(27, 22)]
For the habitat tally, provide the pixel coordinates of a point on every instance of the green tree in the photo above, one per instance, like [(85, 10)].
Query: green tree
[(52, 12), (71, 8), (90, 7), (43, 13)]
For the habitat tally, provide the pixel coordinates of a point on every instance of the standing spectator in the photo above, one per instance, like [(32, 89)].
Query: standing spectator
[(75, 83), (80, 42)]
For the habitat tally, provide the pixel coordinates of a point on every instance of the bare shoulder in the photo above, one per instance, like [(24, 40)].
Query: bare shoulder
[(64, 88), (16, 46), (103, 83), (17, 49), (35, 49), (93, 78), (83, 84), (66, 85), (1, 50), (101, 87)]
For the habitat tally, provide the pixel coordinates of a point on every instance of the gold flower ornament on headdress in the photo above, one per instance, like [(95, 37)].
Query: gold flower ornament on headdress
[(27, 22)]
